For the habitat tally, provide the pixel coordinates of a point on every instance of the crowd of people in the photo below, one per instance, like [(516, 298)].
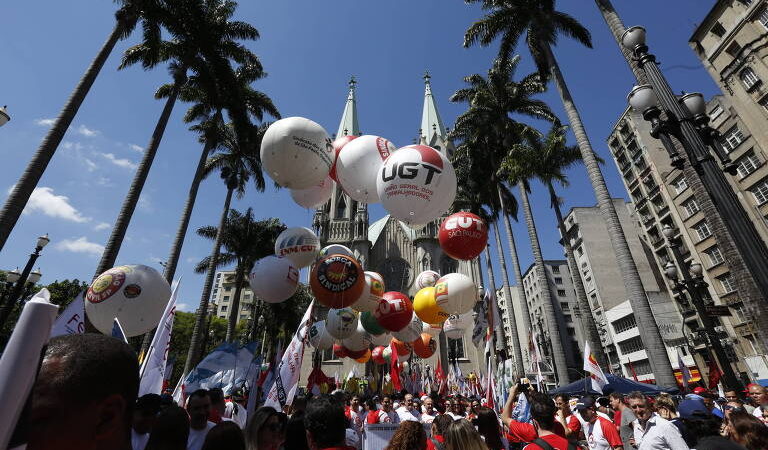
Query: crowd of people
[(85, 397)]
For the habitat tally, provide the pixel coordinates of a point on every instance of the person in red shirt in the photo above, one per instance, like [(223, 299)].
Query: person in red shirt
[(527, 432), (601, 433), (439, 425), (570, 423)]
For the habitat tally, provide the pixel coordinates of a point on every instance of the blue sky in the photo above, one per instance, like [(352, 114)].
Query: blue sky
[(309, 49)]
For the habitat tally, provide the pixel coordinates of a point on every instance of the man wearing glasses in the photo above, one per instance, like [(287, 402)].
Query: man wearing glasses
[(653, 432)]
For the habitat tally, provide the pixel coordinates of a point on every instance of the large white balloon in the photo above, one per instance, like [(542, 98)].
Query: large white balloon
[(274, 279), (341, 323), (455, 293), (381, 339), (134, 294), (299, 245), (411, 332), (358, 165), (297, 153), (319, 337), (359, 340), (416, 184), (432, 329), (427, 278), (335, 249), (456, 324), (372, 293), (313, 196)]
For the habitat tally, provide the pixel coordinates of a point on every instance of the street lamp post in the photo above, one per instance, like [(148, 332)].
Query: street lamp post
[(11, 277), (687, 122), (26, 275), (693, 282)]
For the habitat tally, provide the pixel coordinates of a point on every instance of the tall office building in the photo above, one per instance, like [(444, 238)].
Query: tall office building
[(223, 296)]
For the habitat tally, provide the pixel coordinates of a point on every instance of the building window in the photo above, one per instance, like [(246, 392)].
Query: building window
[(691, 207), (749, 78), (764, 102), (747, 164), (226, 298), (247, 296), (558, 280), (680, 185), (641, 367), (456, 348), (227, 289), (732, 138), (564, 305), (632, 345), (702, 229), (224, 308), (728, 283), (555, 269), (760, 191), (561, 293), (718, 29), (740, 312), (715, 256), (715, 113), (763, 17), (625, 323), (733, 49)]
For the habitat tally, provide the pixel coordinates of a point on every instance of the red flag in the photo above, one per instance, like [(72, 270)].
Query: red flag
[(714, 373), (440, 378), (316, 378), (394, 370), (632, 368)]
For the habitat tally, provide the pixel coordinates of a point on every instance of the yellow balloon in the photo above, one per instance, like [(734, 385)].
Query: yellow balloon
[(364, 359), (426, 308)]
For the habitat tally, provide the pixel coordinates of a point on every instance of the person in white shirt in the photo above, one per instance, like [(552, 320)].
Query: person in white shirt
[(144, 416), (759, 397), (198, 408), (405, 405), (386, 414), (429, 414), (600, 432), (408, 411), (653, 432), (455, 409)]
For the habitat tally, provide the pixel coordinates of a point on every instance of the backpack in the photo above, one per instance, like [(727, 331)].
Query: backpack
[(545, 445)]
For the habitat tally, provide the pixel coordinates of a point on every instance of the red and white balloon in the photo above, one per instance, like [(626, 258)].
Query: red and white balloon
[(338, 144), (299, 245), (395, 311), (463, 235), (358, 165)]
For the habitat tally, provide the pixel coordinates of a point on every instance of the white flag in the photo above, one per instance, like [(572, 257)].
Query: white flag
[(287, 375), (153, 368), (684, 372), (72, 320), (599, 379)]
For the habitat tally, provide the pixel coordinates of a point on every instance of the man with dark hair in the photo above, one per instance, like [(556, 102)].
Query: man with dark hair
[(600, 432), (521, 432), (439, 427), (325, 423), (623, 418), (144, 416), (704, 426), (218, 406), (84, 394), (653, 432), (198, 408), (570, 423)]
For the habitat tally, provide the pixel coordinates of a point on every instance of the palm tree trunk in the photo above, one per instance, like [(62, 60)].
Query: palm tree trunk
[(202, 311), (649, 332), (27, 183), (516, 347), (547, 301), (523, 313), (132, 199), (234, 314), (499, 327), (583, 309)]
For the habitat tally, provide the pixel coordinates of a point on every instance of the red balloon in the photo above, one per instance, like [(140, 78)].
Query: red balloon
[(403, 348), (463, 235), (377, 355), (340, 351), (395, 311), (425, 346), (356, 354), (337, 281), (337, 146)]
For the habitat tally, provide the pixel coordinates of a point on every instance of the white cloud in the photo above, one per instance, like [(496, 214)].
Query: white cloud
[(104, 181), (101, 226), (80, 245), (136, 148), (120, 162), (45, 122), (192, 259), (68, 145), (145, 204), (45, 201), (182, 307), (90, 165), (85, 131)]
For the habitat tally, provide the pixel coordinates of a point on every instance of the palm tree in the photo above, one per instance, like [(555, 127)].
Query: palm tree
[(245, 241), (542, 24), (126, 18), (237, 166), (547, 159), (184, 55), (492, 100)]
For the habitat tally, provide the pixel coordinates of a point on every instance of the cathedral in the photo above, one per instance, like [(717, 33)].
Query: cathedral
[(391, 248)]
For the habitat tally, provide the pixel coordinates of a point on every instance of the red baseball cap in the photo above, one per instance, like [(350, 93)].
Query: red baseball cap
[(699, 390)]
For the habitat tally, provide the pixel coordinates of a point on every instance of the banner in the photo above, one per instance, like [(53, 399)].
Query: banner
[(590, 365), (287, 375), (226, 367), (154, 365), (117, 331), (72, 320), (377, 436)]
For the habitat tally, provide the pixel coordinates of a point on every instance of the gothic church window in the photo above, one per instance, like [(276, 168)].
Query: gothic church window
[(341, 208)]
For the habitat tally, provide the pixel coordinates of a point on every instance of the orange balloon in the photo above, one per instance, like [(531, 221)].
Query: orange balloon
[(403, 348), (364, 359), (425, 346), (337, 281)]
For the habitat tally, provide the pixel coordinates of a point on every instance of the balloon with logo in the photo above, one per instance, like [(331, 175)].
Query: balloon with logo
[(337, 281), (299, 245), (370, 324), (387, 354), (358, 340), (296, 152), (411, 331), (456, 324), (358, 164), (338, 144), (377, 355), (319, 338), (463, 235), (432, 329), (341, 323), (427, 278), (416, 184), (334, 249), (381, 339), (274, 279), (313, 196), (394, 312), (425, 306), (372, 293), (134, 294), (455, 293), (425, 346), (366, 356), (403, 348), (339, 351)]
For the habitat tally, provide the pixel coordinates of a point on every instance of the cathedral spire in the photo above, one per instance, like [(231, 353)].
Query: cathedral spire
[(349, 124), (432, 132)]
